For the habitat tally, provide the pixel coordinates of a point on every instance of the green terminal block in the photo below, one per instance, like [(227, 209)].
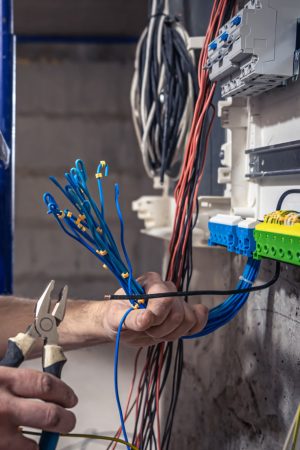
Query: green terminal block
[(279, 242)]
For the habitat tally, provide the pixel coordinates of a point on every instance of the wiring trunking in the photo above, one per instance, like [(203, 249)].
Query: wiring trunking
[(255, 51)]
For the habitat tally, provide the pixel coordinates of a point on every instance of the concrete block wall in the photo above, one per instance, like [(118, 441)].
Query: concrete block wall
[(68, 109), (241, 385)]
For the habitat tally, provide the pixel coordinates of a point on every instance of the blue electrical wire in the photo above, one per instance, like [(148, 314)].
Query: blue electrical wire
[(90, 229), (116, 363), (226, 311)]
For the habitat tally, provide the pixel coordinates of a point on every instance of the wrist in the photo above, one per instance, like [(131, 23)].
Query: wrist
[(83, 324)]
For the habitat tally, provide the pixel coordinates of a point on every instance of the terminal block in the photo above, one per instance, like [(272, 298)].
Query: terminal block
[(246, 244), (223, 231), (233, 232), (255, 51), (280, 242)]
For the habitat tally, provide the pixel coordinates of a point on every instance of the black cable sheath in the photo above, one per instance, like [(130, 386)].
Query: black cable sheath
[(199, 292), (284, 195)]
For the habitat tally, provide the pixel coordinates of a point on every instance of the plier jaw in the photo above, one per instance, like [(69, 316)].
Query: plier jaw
[(46, 322)]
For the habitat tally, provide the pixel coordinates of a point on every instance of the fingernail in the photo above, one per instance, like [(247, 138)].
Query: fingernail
[(74, 399)]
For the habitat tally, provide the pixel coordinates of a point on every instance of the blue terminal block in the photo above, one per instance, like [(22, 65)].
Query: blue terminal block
[(236, 21), (213, 45), (223, 231), (234, 233), (224, 36), (245, 234)]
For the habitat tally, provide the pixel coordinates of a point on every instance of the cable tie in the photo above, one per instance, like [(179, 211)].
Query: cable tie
[(98, 175), (101, 252), (125, 275), (245, 279)]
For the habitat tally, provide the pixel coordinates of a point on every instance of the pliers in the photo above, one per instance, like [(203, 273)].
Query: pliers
[(44, 326)]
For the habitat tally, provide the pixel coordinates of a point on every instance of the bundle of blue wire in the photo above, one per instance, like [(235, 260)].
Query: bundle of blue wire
[(226, 311), (89, 228)]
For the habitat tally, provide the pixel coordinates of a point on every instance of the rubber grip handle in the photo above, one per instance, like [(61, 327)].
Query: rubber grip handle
[(49, 439), (13, 356), (55, 369)]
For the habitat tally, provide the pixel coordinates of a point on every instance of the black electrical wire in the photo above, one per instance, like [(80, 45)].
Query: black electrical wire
[(165, 86), (199, 292), (284, 195)]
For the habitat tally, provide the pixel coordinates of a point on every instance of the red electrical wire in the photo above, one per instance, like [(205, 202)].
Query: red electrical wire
[(182, 223)]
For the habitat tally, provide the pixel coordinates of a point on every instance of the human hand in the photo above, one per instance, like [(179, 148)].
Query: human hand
[(19, 390), (165, 319)]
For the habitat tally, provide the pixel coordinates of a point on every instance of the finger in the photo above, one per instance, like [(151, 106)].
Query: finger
[(45, 416), (157, 310), (172, 322), (139, 320), (201, 313), (147, 279), (184, 327), (161, 306), (20, 442), (33, 384)]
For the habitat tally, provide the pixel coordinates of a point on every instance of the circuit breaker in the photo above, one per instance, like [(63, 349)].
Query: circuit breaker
[(255, 51)]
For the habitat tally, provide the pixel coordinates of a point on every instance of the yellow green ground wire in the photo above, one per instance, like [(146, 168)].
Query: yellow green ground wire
[(87, 436), (296, 429)]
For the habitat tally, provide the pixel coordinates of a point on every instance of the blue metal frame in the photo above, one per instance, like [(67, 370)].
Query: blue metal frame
[(7, 119)]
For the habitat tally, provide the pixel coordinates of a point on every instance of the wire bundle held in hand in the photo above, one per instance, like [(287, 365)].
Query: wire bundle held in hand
[(163, 92), (89, 227)]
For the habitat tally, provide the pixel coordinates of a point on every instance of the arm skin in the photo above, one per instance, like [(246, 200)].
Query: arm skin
[(86, 323), (92, 322)]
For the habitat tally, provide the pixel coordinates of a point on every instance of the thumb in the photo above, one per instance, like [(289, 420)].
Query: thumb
[(139, 320)]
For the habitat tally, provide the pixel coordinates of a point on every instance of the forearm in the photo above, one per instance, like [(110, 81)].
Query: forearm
[(83, 324), (81, 327)]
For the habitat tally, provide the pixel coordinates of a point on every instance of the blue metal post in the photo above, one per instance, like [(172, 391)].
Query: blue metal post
[(7, 119)]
